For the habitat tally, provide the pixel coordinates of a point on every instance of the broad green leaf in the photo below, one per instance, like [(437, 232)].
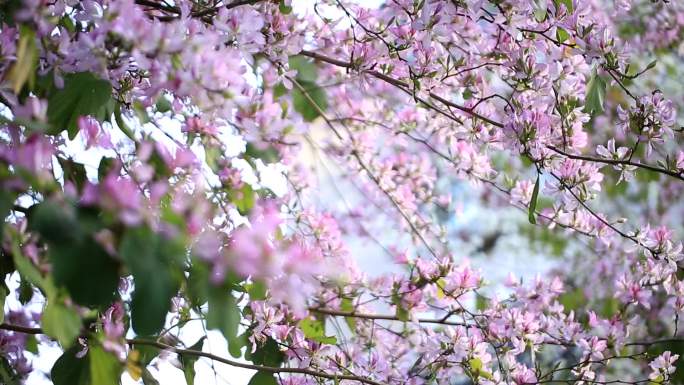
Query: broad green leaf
[(267, 155), (531, 214), (306, 77), (147, 378), (24, 69), (540, 10), (572, 300), (71, 370), (236, 344), (83, 94), (595, 94), (32, 344), (309, 109), (88, 272), (4, 291), (61, 323), (347, 305), (197, 284), (268, 354), (243, 199), (315, 330), (263, 378), (402, 314), (7, 199), (562, 35), (149, 260), (163, 104), (73, 172), (223, 313), (105, 368), (79, 263), (567, 3), (121, 123), (305, 67), (7, 374), (476, 368), (256, 291), (283, 8), (141, 112), (188, 361), (480, 302), (7, 10), (105, 166)]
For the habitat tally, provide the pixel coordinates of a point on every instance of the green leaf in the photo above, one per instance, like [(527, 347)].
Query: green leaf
[(7, 10), (315, 330), (83, 94), (567, 3), (27, 270), (305, 67), (32, 344), (243, 199), (223, 313), (540, 10), (71, 370), (302, 104), (141, 112), (105, 166), (268, 154), (24, 69), (197, 284), (188, 361), (256, 291), (595, 94), (7, 374), (147, 378), (263, 378), (402, 314), (163, 104), (572, 300), (121, 123), (105, 368), (562, 35), (307, 75), (235, 345), (61, 323), (87, 271), (150, 261), (73, 172), (268, 354), (531, 214), (4, 291), (347, 305), (79, 263), (284, 9)]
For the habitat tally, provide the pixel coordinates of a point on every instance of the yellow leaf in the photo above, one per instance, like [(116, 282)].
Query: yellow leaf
[(132, 367), (24, 69)]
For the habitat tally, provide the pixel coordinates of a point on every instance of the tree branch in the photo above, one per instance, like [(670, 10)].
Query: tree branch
[(197, 353), (387, 317), (676, 175), (400, 84)]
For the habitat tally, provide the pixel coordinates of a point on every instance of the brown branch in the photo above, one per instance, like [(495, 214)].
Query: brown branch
[(354, 314), (197, 353), (400, 84), (676, 175), (269, 369)]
